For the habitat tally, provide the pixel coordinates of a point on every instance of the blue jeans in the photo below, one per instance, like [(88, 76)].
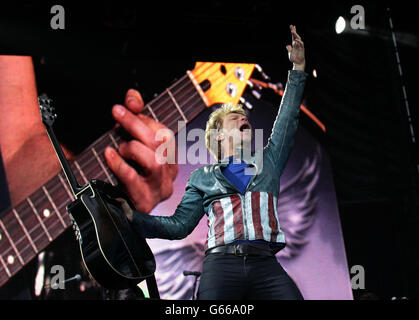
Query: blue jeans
[(229, 277)]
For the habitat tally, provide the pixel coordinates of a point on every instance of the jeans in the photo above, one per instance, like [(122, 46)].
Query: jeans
[(229, 277)]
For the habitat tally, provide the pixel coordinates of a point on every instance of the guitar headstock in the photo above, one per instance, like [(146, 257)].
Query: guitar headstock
[(48, 114), (222, 82)]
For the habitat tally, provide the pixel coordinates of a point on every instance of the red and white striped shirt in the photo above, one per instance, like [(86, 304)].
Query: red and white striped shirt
[(252, 216)]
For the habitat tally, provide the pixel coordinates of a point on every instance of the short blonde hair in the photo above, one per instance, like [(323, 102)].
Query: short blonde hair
[(215, 122)]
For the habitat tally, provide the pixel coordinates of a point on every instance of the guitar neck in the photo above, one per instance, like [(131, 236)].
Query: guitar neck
[(29, 227)]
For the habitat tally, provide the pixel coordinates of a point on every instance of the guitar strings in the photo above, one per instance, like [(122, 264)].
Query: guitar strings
[(38, 236), (85, 162), (25, 212), (197, 72), (165, 106), (85, 159), (158, 106)]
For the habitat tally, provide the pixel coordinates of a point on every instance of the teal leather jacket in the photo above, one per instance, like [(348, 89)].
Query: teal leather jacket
[(231, 215)]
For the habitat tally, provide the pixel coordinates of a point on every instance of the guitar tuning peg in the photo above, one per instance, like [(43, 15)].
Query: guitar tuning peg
[(256, 94), (279, 85), (264, 75), (258, 86), (246, 103)]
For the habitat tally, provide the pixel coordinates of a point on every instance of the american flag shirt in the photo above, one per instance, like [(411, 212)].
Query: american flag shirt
[(234, 215)]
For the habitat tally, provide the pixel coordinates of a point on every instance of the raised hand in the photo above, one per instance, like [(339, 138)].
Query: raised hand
[(155, 184), (296, 50)]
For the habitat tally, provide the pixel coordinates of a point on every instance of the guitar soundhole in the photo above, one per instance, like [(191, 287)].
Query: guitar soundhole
[(223, 69)]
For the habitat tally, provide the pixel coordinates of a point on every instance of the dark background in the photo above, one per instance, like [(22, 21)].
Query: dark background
[(110, 46)]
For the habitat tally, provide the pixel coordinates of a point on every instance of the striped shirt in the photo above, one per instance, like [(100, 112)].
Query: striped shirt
[(252, 216)]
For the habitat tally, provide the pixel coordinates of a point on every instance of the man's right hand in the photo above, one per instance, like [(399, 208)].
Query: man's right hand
[(156, 184)]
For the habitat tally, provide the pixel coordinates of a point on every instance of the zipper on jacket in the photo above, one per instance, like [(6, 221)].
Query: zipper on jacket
[(243, 204), (251, 180), (243, 201)]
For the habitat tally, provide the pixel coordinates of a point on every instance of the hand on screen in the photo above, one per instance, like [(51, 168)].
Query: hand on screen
[(155, 183)]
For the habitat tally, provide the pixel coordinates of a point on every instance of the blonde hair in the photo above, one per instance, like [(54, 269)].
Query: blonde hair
[(215, 122)]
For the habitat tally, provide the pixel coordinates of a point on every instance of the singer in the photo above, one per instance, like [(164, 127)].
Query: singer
[(244, 231)]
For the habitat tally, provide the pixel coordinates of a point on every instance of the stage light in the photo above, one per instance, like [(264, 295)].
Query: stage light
[(314, 73), (340, 25)]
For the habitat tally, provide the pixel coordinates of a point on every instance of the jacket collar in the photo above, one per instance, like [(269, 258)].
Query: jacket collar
[(253, 158), (240, 156)]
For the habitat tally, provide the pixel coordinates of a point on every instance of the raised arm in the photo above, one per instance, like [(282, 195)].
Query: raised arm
[(282, 138)]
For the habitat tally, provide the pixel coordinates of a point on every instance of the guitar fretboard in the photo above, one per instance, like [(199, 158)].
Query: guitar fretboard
[(34, 223)]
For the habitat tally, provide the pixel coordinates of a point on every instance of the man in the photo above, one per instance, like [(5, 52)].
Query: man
[(244, 232), (25, 148)]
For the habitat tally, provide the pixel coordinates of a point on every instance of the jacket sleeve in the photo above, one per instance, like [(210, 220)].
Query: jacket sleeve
[(281, 140), (178, 226)]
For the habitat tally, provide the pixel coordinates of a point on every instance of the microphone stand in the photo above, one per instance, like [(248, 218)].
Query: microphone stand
[(77, 277), (194, 288), (196, 275)]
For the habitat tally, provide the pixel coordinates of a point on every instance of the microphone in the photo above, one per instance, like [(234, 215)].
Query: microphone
[(191, 273), (77, 277)]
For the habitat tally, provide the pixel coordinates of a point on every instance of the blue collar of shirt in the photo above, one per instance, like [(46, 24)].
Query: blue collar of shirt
[(239, 158)]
